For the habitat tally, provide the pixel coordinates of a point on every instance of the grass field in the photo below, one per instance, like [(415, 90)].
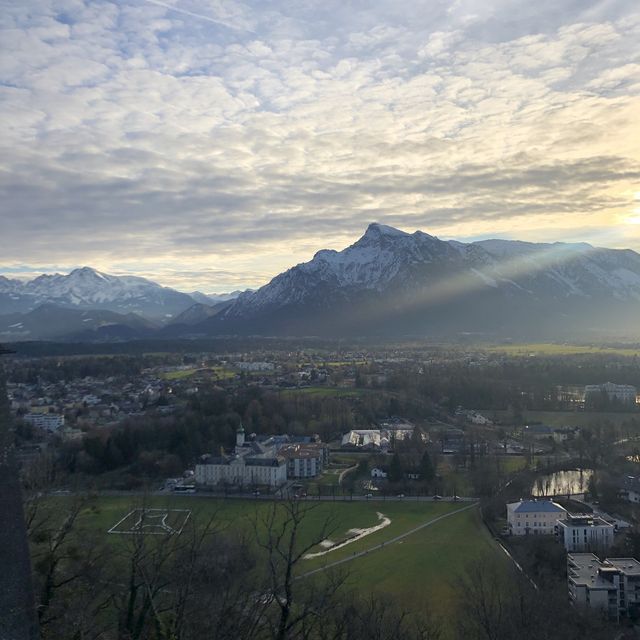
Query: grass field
[(553, 349), (572, 418), (329, 392), (421, 569)]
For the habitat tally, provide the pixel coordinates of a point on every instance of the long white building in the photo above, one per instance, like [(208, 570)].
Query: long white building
[(624, 393), (250, 464)]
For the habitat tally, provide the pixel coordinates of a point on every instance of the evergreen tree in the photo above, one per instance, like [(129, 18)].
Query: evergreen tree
[(396, 472), (427, 472)]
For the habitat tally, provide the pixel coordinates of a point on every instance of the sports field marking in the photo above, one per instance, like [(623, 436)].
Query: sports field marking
[(157, 522)]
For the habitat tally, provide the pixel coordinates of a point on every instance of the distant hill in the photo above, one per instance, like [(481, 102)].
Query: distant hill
[(48, 322)]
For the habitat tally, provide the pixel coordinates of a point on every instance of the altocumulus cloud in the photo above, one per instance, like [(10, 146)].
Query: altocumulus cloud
[(213, 144)]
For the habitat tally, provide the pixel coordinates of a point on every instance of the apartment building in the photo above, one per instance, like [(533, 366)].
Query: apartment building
[(48, 421), (586, 533), (304, 460), (612, 585)]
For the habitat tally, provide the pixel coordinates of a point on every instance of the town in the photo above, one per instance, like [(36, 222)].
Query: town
[(547, 460)]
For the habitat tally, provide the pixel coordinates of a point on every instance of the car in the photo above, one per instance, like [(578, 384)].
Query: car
[(369, 495), (400, 495), (256, 493), (437, 497)]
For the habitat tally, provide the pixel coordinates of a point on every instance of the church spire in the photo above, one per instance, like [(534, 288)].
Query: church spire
[(240, 435)]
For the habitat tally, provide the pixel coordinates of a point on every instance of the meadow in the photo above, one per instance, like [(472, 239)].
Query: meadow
[(570, 418), (558, 349), (423, 569)]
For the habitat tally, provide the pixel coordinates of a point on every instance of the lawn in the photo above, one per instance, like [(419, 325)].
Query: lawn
[(329, 392), (424, 568), (554, 349), (180, 374), (571, 418)]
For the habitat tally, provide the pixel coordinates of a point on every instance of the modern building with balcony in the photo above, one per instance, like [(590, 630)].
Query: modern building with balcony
[(611, 585)]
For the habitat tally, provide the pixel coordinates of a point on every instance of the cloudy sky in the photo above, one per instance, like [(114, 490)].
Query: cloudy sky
[(211, 144)]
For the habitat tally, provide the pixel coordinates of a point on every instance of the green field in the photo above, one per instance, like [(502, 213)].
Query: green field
[(421, 569), (218, 372), (553, 349), (424, 569), (571, 418), (329, 392)]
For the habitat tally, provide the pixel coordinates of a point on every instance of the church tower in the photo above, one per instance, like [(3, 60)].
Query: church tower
[(240, 436)]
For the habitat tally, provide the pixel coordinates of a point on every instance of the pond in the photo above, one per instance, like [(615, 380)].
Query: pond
[(562, 483)]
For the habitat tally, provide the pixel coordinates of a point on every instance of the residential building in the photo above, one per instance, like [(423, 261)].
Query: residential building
[(538, 431), (624, 393), (534, 517), (363, 438), (612, 586), (304, 460), (630, 489), (48, 421), (586, 533)]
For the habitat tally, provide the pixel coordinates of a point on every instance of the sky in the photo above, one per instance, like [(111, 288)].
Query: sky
[(210, 144)]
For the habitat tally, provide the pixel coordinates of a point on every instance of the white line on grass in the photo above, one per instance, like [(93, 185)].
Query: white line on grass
[(386, 543)]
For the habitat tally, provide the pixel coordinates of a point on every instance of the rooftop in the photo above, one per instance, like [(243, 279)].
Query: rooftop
[(585, 569), (584, 521), (537, 506)]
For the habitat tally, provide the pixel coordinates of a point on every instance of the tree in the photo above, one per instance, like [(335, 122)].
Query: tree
[(427, 471), (297, 605), (396, 472)]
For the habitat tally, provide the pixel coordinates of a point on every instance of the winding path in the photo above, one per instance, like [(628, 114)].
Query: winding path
[(382, 545)]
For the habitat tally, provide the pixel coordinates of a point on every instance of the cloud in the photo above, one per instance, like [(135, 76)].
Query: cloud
[(237, 139)]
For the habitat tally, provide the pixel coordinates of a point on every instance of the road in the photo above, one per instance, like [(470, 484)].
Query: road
[(267, 497), (387, 543)]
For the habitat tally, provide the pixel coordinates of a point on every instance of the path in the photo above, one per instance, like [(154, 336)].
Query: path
[(344, 473), (386, 543)]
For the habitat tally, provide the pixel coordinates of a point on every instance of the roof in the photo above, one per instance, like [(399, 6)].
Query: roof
[(585, 521), (537, 506), (585, 569)]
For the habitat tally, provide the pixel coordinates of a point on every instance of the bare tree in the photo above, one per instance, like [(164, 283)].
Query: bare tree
[(299, 604)]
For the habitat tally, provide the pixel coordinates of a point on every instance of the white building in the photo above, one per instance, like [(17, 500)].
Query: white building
[(255, 366), (368, 438), (251, 464), (612, 586), (304, 460), (624, 393), (47, 421), (534, 517), (586, 533)]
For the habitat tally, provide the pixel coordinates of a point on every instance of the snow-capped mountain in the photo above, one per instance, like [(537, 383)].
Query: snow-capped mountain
[(390, 281), (88, 288)]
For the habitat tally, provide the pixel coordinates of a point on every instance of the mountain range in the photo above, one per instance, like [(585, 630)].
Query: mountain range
[(388, 283)]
